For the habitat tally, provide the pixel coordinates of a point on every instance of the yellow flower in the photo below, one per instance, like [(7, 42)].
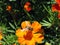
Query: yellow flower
[(27, 35)]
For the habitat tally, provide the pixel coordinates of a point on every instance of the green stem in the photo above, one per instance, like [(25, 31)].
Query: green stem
[(13, 16), (28, 14)]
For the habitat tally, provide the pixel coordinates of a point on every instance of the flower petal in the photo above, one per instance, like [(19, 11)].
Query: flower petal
[(36, 26), (38, 37), (57, 1), (25, 24), (31, 42), (20, 33), (27, 3), (21, 41)]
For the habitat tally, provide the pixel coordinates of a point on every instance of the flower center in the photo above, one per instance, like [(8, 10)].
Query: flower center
[(29, 28), (28, 35)]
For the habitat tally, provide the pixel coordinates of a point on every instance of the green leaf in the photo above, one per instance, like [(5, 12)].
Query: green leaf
[(28, 14), (12, 25), (12, 0), (10, 31)]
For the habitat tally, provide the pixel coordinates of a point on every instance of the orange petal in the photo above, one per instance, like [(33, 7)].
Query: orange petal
[(25, 24), (21, 41), (36, 26), (31, 42), (38, 37), (25, 6), (27, 3), (28, 9), (57, 1), (19, 33)]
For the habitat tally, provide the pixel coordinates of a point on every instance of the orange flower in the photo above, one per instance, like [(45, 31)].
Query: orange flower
[(55, 7), (58, 15), (8, 8), (57, 1), (27, 6), (28, 37)]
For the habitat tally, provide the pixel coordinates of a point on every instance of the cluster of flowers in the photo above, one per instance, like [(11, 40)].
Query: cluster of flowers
[(29, 33), (56, 7)]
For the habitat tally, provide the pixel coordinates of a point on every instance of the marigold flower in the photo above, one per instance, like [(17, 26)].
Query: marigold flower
[(27, 6), (55, 7), (8, 8), (57, 1), (28, 37)]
